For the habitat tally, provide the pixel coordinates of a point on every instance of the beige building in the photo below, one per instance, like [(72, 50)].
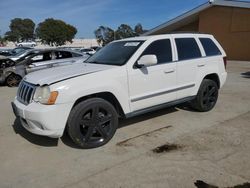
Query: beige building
[(228, 21)]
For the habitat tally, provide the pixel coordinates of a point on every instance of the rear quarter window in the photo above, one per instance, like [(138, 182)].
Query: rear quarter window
[(187, 48), (210, 47)]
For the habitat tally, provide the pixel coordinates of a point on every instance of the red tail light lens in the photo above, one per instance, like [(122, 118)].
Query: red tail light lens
[(225, 62)]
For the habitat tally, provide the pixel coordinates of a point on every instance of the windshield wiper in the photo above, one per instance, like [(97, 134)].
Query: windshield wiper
[(94, 62)]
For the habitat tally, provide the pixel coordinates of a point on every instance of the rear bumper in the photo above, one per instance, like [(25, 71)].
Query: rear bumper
[(223, 79), (41, 119)]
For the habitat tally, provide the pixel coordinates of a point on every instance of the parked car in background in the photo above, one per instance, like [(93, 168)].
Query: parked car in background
[(71, 48), (88, 51), (5, 52), (5, 63), (23, 54), (38, 60), (126, 78), (26, 44), (14, 52), (19, 50)]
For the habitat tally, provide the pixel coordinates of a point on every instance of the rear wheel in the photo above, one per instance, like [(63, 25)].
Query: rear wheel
[(13, 80), (92, 123), (207, 96)]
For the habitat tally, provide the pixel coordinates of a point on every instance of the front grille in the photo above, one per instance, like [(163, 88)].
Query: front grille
[(25, 92)]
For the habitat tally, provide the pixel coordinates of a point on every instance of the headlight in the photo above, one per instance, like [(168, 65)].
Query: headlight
[(43, 95)]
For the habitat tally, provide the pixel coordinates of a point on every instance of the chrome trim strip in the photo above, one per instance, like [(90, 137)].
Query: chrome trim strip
[(162, 93), (158, 107), (25, 92)]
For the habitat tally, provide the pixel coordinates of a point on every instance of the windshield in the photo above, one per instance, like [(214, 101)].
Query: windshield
[(116, 53), (17, 51), (20, 53)]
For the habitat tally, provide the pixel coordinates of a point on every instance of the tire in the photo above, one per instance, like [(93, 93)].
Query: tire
[(20, 45), (207, 96), (92, 123), (13, 80)]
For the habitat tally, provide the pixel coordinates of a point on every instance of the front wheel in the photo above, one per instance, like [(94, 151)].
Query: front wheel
[(92, 123), (207, 96), (13, 80)]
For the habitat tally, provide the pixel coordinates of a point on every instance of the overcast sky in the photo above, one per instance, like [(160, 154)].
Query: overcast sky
[(87, 15)]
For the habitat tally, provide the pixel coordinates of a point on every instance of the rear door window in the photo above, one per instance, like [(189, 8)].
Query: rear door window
[(187, 48), (162, 49), (63, 54), (210, 47), (37, 58), (41, 57)]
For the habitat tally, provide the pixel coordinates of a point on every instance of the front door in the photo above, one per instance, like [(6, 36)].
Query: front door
[(154, 85)]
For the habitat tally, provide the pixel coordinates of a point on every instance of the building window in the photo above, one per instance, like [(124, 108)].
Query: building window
[(187, 48)]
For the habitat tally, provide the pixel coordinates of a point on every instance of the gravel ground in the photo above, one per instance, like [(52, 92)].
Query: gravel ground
[(173, 147)]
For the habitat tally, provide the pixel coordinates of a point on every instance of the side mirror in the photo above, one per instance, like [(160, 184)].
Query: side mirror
[(147, 60)]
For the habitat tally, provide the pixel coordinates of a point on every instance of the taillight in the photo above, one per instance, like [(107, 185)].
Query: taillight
[(225, 62)]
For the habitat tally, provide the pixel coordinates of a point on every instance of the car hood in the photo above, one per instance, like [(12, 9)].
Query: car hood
[(53, 75)]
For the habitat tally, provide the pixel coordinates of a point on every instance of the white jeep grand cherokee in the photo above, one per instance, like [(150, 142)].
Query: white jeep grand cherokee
[(124, 79)]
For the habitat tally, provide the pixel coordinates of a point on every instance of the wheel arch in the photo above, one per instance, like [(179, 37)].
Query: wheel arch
[(12, 73), (214, 77), (108, 96)]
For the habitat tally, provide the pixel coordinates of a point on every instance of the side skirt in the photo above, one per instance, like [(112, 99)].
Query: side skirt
[(158, 107)]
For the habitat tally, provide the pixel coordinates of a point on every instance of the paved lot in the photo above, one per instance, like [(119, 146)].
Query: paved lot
[(213, 147)]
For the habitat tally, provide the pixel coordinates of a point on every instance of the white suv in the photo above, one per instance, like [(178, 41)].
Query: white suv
[(124, 79)]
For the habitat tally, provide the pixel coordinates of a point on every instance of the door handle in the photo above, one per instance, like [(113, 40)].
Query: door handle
[(201, 65), (169, 71)]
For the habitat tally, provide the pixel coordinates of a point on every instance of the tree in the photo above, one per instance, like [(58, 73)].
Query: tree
[(2, 41), (124, 31), (55, 32), (138, 29), (104, 35), (20, 29)]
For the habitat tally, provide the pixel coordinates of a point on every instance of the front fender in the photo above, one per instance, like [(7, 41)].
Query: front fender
[(73, 89)]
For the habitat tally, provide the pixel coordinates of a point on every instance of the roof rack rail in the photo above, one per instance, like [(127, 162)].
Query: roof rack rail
[(187, 32)]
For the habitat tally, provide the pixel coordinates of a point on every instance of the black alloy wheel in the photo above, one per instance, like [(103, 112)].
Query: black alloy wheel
[(210, 95), (92, 123), (207, 96)]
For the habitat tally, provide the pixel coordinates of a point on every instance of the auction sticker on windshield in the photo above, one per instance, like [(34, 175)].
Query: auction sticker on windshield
[(132, 44)]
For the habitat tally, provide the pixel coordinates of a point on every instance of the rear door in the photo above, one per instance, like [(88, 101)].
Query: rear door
[(188, 61), (154, 85), (214, 57)]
